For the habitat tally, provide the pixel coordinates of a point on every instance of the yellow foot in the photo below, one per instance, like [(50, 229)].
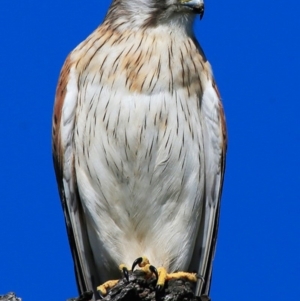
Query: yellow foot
[(102, 289), (161, 273), (163, 276)]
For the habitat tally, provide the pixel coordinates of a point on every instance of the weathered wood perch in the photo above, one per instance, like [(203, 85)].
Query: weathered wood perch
[(139, 289), (10, 297)]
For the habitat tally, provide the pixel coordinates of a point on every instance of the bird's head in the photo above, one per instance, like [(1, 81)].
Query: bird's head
[(154, 12)]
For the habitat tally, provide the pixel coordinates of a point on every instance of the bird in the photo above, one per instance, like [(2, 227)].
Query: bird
[(139, 144)]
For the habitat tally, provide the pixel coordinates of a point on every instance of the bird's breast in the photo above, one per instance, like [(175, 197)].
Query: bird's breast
[(139, 168), (138, 144)]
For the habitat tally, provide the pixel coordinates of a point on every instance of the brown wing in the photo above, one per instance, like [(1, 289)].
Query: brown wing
[(63, 158)]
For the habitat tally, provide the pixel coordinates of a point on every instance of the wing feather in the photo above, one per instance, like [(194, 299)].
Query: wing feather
[(215, 144), (63, 157)]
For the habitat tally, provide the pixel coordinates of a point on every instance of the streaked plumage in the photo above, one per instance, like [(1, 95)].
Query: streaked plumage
[(139, 144)]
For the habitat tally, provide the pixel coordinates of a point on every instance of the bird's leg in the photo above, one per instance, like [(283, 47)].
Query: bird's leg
[(102, 289), (161, 273)]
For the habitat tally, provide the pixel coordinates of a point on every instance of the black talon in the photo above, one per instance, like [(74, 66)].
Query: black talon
[(136, 262), (125, 273), (100, 295), (154, 271), (201, 278)]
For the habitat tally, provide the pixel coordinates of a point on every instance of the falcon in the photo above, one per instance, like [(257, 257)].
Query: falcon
[(139, 143)]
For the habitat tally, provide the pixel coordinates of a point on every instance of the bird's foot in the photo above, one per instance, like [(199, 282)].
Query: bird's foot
[(145, 266), (161, 273), (103, 288), (163, 276), (149, 270)]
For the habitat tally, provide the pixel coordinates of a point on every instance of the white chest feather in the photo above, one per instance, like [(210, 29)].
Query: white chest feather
[(138, 145)]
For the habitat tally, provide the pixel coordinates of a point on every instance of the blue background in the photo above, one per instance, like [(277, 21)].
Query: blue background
[(254, 49)]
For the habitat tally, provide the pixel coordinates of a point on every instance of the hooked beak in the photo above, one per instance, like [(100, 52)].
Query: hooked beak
[(196, 5)]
